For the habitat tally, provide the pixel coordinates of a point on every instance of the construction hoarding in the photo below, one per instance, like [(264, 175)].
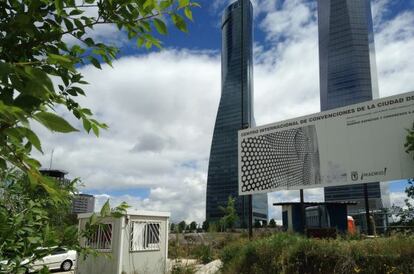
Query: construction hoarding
[(359, 143)]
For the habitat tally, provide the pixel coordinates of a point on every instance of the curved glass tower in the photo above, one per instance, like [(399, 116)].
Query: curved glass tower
[(348, 75), (235, 112)]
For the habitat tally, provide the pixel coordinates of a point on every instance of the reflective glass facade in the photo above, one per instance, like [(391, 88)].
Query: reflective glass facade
[(234, 113), (348, 73)]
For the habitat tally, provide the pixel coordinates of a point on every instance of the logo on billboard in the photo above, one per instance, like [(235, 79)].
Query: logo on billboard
[(354, 175), (374, 173)]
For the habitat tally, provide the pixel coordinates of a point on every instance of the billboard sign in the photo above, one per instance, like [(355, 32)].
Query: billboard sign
[(355, 144)]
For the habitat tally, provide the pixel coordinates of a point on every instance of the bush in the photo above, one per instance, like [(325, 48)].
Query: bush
[(183, 269), (203, 253), (288, 253)]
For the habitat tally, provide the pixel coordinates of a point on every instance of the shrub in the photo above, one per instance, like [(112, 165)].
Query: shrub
[(288, 253), (183, 269), (203, 253)]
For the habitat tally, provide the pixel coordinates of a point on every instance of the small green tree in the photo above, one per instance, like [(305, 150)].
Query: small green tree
[(230, 217), (32, 215), (193, 226), (257, 224), (272, 223), (181, 226), (206, 225), (406, 213), (173, 227)]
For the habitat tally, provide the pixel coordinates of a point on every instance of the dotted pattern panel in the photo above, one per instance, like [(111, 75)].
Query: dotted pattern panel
[(280, 160)]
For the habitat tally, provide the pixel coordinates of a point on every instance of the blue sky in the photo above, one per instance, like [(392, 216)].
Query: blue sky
[(161, 105)]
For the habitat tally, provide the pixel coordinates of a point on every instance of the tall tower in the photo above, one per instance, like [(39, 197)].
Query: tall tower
[(348, 74), (235, 112)]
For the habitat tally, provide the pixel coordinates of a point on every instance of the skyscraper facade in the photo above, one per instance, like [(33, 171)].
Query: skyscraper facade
[(348, 74), (235, 112)]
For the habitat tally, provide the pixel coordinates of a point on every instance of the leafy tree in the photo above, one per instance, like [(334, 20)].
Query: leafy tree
[(32, 51), (406, 213), (206, 225), (272, 223), (173, 227), (193, 226), (230, 215), (38, 75), (28, 221), (181, 226)]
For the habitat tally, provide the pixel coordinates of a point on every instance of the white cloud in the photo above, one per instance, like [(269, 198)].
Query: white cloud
[(161, 109), (398, 199), (185, 201), (395, 52)]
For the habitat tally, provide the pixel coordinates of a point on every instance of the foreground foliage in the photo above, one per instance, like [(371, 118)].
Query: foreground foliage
[(43, 43), (32, 223), (205, 247), (287, 253)]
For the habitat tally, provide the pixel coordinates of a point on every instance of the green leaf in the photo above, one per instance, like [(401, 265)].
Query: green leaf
[(106, 209), (79, 24), (5, 69), (55, 58), (86, 111), (33, 178), (68, 24), (76, 12), (188, 13), (95, 62), (165, 4), (183, 3), (95, 130), (64, 61), (140, 41), (31, 136), (3, 164), (86, 125), (40, 79), (160, 26), (93, 219), (179, 22), (146, 26), (59, 6), (89, 42), (54, 122), (33, 240), (150, 4)]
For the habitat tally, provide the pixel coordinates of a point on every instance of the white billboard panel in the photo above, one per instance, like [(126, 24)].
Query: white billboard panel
[(359, 143)]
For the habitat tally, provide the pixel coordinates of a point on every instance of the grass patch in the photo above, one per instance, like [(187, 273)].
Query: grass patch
[(289, 253)]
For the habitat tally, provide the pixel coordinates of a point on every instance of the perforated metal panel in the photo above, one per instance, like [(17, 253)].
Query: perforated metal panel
[(280, 159)]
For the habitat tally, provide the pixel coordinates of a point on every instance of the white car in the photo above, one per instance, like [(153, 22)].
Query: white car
[(60, 258)]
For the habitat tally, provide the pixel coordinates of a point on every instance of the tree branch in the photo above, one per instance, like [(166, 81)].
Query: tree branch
[(97, 22)]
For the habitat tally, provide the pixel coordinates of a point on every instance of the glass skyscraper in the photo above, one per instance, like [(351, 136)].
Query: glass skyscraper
[(348, 74), (235, 112)]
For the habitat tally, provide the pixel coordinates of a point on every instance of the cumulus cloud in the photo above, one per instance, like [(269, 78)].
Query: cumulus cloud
[(398, 199), (185, 201), (161, 108)]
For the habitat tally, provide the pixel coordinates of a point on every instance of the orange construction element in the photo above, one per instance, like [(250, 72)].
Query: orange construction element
[(351, 226)]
